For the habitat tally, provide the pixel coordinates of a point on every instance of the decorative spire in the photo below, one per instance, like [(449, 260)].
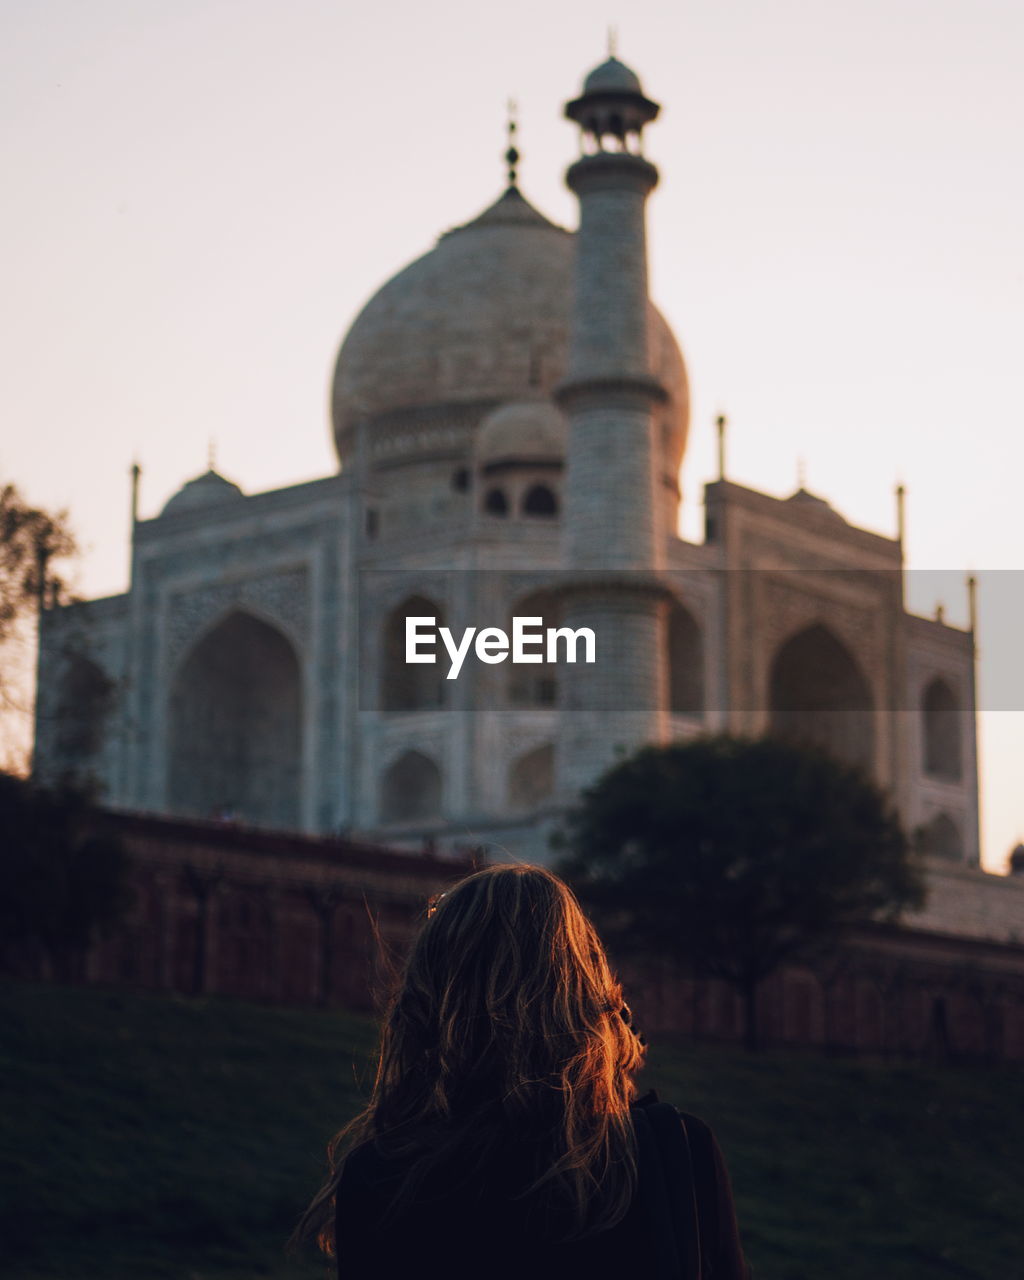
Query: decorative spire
[(512, 155), (613, 42), (136, 474), (721, 422), (211, 454), (801, 473)]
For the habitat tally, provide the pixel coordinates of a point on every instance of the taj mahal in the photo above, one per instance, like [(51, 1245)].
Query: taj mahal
[(510, 413)]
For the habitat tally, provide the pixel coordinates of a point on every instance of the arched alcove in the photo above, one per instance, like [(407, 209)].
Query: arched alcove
[(540, 500), (410, 789), (942, 724), (940, 838), (535, 684), (495, 502), (235, 727), (685, 663), (410, 686), (532, 777), (818, 695), (85, 698)]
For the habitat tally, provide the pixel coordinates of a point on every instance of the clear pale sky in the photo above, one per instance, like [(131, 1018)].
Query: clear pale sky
[(200, 196)]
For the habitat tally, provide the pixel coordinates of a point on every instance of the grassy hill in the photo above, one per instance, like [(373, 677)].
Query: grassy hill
[(162, 1137)]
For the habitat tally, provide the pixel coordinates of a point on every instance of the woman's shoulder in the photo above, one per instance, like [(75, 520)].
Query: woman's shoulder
[(697, 1159), (670, 1124), (652, 1106), (365, 1172)]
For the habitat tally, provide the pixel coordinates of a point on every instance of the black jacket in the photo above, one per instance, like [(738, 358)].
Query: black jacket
[(483, 1232)]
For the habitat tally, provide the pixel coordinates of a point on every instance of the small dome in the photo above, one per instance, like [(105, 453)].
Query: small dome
[(524, 431), (612, 76), (208, 490)]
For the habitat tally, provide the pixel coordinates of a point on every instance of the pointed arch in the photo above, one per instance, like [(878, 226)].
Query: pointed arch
[(940, 838), (411, 789), (685, 650), (235, 726), (535, 684), (818, 695), (409, 686), (532, 777), (540, 500), (85, 698), (942, 723), (495, 502)]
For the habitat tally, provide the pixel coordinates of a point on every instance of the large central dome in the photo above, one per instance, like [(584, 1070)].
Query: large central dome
[(480, 320)]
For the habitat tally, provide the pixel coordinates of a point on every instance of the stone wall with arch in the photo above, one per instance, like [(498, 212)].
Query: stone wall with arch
[(411, 789), (941, 837), (942, 731), (534, 684), (531, 779), (409, 686), (235, 725), (686, 665), (818, 694)]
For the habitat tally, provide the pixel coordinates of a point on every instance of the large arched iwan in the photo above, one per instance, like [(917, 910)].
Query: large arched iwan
[(235, 727)]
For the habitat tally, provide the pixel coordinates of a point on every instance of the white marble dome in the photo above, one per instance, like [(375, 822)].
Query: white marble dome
[(480, 320)]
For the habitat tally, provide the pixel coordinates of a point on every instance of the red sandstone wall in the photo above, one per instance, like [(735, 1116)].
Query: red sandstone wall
[(300, 921)]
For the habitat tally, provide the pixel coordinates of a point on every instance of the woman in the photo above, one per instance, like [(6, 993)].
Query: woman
[(503, 1137)]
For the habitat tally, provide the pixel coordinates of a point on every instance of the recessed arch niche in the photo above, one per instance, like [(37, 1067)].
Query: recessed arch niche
[(535, 684), (410, 789), (942, 730), (940, 838), (540, 500), (819, 696), (685, 663), (532, 777), (235, 726), (410, 686)]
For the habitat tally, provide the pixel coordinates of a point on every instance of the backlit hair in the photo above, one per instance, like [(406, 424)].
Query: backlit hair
[(507, 1023)]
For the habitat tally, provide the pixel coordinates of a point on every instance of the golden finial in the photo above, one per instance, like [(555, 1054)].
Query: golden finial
[(211, 454), (613, 42)]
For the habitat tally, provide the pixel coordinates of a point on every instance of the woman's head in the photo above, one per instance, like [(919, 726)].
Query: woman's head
[(507, 1003), (507, 1027)]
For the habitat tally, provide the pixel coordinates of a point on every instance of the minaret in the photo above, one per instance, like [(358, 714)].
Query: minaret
[(613, 541)]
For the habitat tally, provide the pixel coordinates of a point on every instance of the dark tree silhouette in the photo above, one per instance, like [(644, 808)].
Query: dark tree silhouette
[(32, 543), (737, 856), (31, 539), (62, 882)]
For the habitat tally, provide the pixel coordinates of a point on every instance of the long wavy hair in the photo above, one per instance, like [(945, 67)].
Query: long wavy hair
[(507, 1026)]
